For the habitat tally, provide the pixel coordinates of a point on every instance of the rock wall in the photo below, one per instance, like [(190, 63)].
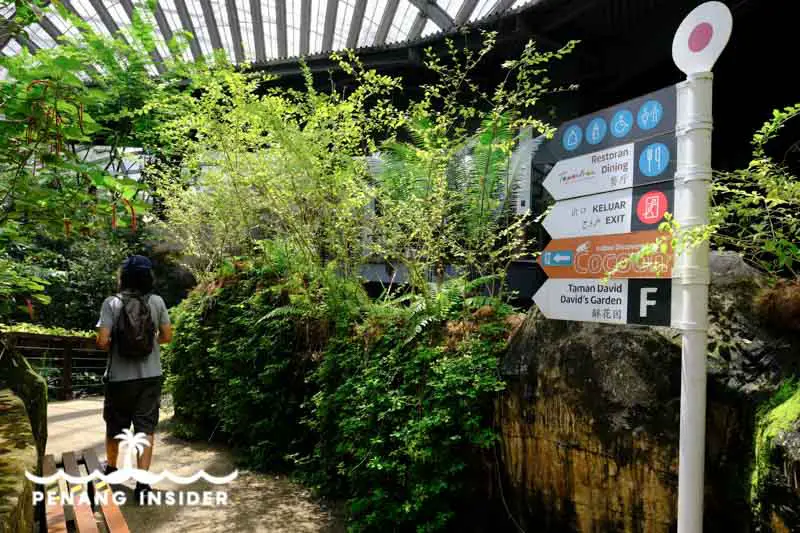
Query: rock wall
[(17, 374), (18, 453), (589, 423)]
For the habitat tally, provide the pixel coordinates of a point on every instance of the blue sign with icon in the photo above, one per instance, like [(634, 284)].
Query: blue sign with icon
[(596, 130), (557, 258), (654, 159), (650, 114), (621, 123), (572, 138)]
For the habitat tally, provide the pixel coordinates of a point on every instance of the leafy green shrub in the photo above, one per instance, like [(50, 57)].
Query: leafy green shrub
[(395, 396), (244, 344), (403, 412)]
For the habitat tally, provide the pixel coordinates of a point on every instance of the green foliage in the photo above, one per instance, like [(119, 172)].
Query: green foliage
[(88, 90), (237, 365), (396, 400), (23, 327), (403, 411), (778, 414), (758, 208)]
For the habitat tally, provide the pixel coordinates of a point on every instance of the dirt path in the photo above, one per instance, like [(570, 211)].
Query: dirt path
[(256, 502)]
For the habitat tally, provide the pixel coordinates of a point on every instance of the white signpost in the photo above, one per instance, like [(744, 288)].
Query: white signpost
[(608, 174), (697, 45)]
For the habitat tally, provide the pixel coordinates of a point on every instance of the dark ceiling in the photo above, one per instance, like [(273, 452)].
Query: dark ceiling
[(625, 51)]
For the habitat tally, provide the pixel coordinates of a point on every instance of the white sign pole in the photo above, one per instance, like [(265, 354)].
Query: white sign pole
[(691, 279), (698, 43)]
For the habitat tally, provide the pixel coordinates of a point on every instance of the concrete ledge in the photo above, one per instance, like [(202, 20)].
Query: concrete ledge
[(17, 454)]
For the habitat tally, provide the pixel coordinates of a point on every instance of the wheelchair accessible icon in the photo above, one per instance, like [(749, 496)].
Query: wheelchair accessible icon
[(621, 123)]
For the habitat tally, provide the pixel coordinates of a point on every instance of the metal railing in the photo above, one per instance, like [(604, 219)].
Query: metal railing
[(72, 366)]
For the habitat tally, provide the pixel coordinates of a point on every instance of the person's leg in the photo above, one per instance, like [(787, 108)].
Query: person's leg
[(145, 418), (146, 457), (112, 451), (118, 417)]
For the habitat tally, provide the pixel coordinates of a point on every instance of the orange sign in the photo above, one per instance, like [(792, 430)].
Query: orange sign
[(594, 257)]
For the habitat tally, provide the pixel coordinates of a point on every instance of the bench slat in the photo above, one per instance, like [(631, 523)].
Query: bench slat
[(111, 511), (56, 521), (84, 516)]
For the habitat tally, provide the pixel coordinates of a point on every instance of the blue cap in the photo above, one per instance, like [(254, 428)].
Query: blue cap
[(136, 263)]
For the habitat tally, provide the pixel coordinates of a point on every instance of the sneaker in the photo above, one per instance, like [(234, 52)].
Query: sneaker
[(108, 469), (140, 493)]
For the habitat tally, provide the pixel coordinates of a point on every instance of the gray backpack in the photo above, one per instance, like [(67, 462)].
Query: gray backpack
[(134, 332)]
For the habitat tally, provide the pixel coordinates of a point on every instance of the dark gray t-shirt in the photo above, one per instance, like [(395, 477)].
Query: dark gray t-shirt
[(123, 368)]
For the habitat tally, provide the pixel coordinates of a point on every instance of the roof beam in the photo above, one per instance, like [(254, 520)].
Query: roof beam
[(330, 25), (416, 28), (105, 16), (27, 42), (465, 11), (48, 26), (258, 30), (501, 6), (236, 32), (386, 22), (163, 25), (434, 11), (305, 26), (211, 23), (127, 5), (186, 22), (356, 22), (280, 24)]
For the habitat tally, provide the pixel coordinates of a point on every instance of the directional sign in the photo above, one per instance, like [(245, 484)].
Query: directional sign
[(593, 257), (624, 301), (620, 167), (642, 118), (623, 211)]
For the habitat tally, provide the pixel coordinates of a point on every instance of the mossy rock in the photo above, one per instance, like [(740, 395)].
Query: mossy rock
[(18, 454), (18, 374)]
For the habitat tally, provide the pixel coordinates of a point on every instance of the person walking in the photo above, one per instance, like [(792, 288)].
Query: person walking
[(132, 325)]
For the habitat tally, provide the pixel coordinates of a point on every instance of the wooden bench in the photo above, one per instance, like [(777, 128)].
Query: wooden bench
[(88, 516)]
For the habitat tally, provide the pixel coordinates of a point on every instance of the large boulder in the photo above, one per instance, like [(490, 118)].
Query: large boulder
[(18, 454), (589, 423)]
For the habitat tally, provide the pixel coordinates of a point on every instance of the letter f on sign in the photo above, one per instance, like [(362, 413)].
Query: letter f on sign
[(644, 302)]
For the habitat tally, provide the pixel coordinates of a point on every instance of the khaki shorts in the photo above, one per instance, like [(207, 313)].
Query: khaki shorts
[(136, 402)]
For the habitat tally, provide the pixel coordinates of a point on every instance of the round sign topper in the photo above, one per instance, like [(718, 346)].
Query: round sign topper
[(701, 37)]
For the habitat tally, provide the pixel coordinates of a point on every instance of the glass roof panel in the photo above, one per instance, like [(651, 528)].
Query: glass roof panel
[(269, 14), (403, 19), (40, 37), (482, 9), (374, 10), (61, 24), (318, 9), (160, 41), (200, 26), (372, 19), (174, 22), (11, 48), (293, 12), (246, 29), (343, 17), (224, 25), (451, 6), (118, 13), (430, 28), (87, 13)]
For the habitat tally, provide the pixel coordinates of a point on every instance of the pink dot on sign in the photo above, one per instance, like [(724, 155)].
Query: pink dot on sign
[(700, 36)]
